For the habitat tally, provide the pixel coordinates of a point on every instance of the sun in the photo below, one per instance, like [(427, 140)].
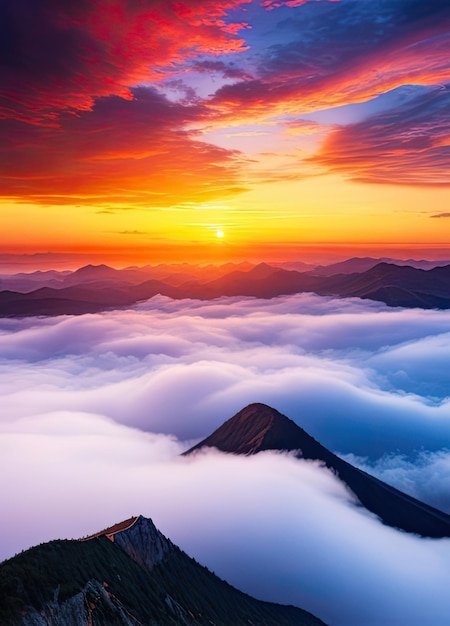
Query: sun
[(220, 234)]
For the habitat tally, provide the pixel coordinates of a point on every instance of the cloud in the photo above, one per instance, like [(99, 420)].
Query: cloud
[(407, 145), (279, 528), (441, 215), (85, 121), (140, 144), (426, 476), (305, 127), (181, 368), (276, 4), (133, 232), (61, 56), (97, 408), (219, 67), (314, 60)]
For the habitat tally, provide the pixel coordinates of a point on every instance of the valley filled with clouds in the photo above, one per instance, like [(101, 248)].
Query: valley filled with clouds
[(96, 410)]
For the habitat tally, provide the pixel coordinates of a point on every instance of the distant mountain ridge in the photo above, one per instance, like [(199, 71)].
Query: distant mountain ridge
[(127, 575), (259, 427), (357, 265), (92, 289)]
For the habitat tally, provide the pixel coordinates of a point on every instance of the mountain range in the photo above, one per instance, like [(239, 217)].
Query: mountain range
[(96, 288)]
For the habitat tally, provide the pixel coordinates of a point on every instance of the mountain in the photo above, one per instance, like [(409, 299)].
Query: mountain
[(92, 275), (298, 266), (258, 427), (263, 281), (357, 265), (79, 299), (89, 273), (392, 284), (27, 282), (126, 575), (397, 285)]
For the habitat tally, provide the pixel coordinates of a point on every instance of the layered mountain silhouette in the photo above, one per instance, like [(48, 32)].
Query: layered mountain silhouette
[(357, 265), (98, 288), (127, 575), (259, 427)]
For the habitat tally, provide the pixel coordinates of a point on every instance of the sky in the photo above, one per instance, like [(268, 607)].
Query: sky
[(96, 410), (136, 131)]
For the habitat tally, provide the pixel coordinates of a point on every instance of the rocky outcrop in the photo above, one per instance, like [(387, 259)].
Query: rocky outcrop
[(93, 605), (143, 543)]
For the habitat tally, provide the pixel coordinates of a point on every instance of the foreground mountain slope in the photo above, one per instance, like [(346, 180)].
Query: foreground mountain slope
[(259, 427), (126, 575)]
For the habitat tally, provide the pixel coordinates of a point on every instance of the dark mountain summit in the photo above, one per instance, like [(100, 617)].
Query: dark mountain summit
[(127, 575), (258, 427)]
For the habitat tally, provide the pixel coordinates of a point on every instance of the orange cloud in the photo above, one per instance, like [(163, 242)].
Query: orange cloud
[(123, 151), (404, 146)]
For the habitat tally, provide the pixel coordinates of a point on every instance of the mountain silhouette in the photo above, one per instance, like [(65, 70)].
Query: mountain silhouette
[(98, 288), (356, 265), (127, 575), (259, 427)]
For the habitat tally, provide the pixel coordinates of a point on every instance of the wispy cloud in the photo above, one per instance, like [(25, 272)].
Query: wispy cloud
[(336, 53), (407, 145)]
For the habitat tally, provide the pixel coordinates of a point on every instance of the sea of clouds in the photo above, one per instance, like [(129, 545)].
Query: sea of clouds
[(96, 409)]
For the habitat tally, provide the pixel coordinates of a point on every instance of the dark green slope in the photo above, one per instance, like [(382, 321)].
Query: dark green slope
[(98, 582)]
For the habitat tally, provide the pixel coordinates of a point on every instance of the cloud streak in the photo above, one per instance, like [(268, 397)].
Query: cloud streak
[(408, 145)]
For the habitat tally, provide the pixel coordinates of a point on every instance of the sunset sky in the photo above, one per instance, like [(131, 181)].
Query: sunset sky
[(136, 131)]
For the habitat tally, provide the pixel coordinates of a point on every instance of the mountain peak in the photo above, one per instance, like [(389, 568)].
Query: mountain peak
[(95, 270), (140, 539), (137, 577), (259, 427)]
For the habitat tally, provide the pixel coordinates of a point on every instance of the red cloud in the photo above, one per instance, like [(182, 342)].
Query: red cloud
[(59, 55)]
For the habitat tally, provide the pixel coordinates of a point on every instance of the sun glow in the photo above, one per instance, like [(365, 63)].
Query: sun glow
[(220, 234)]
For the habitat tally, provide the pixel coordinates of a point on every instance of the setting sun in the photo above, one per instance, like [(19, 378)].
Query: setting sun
[(219, 234)]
